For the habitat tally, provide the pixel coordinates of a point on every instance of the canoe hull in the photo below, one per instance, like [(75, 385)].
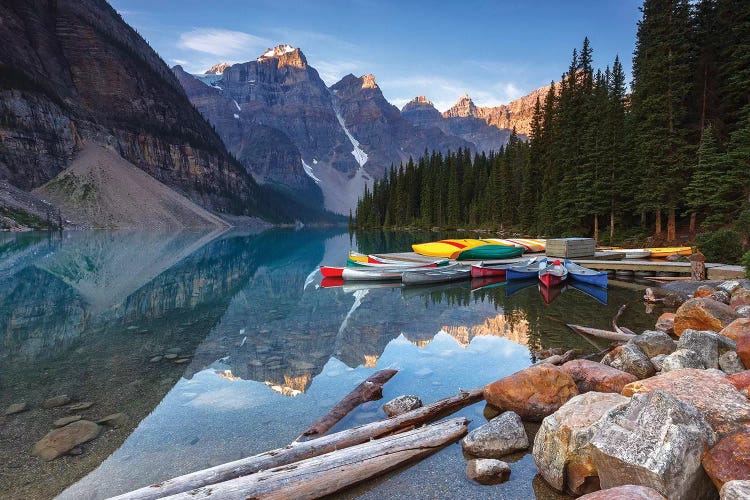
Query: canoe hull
[(488, 252), (417, 277), (445, 248), (479, 271), (586, 275)]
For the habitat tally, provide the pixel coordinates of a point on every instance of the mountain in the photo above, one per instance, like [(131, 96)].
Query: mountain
[(73, 73)]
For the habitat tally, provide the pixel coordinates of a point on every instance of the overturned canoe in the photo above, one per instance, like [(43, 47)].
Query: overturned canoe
[(445, 248), (662, 252), (488, 252), (528, 244)]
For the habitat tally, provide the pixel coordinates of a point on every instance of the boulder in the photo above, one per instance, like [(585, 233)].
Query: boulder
[(487, 471), (629, 358), (708, 345), (665, 323), (490, 412), (743, 349), (729, 459), (401, 404), (593, 376), (703, 314), (62, 422), (16, 408), (561, 448), (742, 311), (500, 436), (741, 381), (113, 420), (729, 286), (60, 441), (721, 296), (680, 359), (533, 393), (657, 361), (703, 291), (730, 363), (721, 404), (627, 492), (63, 399), (736, 329), (652, 343), (735, 490), (657, 441), (740, 297)]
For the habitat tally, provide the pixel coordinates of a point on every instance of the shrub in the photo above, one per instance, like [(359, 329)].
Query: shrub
[(720, 246), (746, 263)]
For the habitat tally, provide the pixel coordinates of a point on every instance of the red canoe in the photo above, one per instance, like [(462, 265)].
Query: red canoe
[(554, 274), (483, 270)]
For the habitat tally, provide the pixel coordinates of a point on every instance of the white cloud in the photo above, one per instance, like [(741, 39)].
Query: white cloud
[(224, 43)]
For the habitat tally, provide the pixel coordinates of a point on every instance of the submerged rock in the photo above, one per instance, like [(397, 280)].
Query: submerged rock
[(533, 393), (629, 358), (500, 436), (562, 450), (84, 405), (721, 404), (703, 314), (627, 492), (60, 441), (597, 377), (729, 459), (170, 356), (53, 402), (62, 422), (16, 408), (155, 359), (113, 420), (401, 404), (657, 441), (487, 471)]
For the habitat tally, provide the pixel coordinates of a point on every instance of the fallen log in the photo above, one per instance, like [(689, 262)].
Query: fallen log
[(301, 451), (602, 334), (559, 359), (369, 390), (320, 476), (617, 316)]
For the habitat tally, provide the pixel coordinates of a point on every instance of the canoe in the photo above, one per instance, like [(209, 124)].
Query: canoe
[(437, 275), (525, 270), (528, 244), (367, 273), (662, 252), (636, 253), (374, 259), (596, 292), (488, 252), (445, 248), (486, 282), (553, 274), (482, 270), (550, 293), (586, 275), (400, 263)]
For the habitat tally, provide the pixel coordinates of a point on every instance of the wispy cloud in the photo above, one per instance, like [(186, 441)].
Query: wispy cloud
[(224, 43)]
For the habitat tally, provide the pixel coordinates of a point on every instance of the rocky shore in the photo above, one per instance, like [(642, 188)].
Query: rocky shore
[(664, 415)]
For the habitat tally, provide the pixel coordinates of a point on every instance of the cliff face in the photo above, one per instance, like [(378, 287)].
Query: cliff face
[(72, 71)]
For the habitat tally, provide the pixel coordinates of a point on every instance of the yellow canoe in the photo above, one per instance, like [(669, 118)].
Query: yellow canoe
[(529, 244), (445, 248), (661, 252)]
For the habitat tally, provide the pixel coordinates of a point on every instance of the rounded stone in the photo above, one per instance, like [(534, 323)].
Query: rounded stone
[(402, 404), (487, 471)]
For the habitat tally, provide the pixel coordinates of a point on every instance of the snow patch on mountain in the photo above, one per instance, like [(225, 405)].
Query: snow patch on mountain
[(238, 106), (278, 51), (359, 155), (309, 171)]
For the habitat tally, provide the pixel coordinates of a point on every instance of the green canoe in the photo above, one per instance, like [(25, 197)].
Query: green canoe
[(490, 252)]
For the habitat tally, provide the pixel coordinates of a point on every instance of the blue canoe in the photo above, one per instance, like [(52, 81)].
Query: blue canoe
[(595, 292), (525, 270), (586, 275)]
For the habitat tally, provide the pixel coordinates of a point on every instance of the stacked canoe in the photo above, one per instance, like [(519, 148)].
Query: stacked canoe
[(477, 249), (373, 268)]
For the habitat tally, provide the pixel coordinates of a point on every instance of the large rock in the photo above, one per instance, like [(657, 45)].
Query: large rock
[(487, 470), (502, 435), (737, 328), (742, 311), (627, 492), (60, 441), (657, 441), (707, 344), (561, 447), (593, 376), (652, 343), (402, 404), (735, 490), (657, 361), (740, 297), (703, 314), (703, 291), (730, 363), (680, 359), (665, 323), (533, 393), (729, 286), (729, 459), (721, 404), (741, 381), (629, 358)]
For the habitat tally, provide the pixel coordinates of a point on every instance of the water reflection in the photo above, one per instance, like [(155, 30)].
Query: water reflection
[(267, 349)]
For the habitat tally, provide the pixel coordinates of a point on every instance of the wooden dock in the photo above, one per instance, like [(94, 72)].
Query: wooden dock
[(714, 271)]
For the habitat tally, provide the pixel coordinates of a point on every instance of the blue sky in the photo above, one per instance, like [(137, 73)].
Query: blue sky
[(495, 51)]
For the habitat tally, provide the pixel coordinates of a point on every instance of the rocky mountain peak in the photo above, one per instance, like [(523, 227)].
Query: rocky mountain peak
[(419, 103), (464, 107), (218, 68), (368, 82), (286, 55)]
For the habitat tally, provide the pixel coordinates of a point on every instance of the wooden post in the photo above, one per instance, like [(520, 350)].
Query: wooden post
[(698, 267)]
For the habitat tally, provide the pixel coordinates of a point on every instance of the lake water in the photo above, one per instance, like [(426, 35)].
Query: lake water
[(263, 352)]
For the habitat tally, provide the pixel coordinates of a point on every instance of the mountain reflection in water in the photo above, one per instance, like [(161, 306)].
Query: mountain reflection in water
[(269, 349)]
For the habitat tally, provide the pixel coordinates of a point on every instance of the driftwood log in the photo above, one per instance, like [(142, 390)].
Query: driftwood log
[(320, 476), (559, 359), (301, 451), (602, 334), (369, 390)]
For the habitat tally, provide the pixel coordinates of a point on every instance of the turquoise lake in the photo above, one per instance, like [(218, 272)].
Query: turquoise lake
[(262, 351)]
